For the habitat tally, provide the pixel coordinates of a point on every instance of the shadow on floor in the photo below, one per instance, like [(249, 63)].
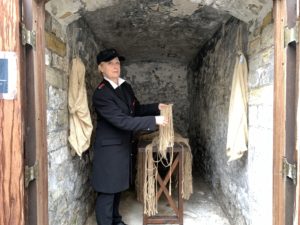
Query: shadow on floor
[(202, 208)]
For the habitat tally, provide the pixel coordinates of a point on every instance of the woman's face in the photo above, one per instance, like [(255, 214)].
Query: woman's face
[(111, 69)]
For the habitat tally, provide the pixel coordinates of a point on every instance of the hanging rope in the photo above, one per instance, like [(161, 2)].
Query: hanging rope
[(166, 133), (164, 141)]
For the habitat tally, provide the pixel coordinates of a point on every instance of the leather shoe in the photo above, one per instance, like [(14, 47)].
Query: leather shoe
[(120, 223)]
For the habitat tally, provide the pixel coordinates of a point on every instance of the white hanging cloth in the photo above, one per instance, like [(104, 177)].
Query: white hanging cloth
[(81, 126), (237, 133)]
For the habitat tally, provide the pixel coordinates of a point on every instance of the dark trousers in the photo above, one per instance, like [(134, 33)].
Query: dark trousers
[(107, 209)]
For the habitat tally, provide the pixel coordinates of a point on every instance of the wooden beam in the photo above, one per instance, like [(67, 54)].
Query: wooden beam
[(40, 106), (279, 116), (11, 126)]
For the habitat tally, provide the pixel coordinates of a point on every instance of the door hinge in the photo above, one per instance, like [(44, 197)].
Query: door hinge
[(289, 170), (291, 35), (31, 173), (28, 36)]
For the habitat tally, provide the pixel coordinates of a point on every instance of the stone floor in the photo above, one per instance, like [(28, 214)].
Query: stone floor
[(201, 209)]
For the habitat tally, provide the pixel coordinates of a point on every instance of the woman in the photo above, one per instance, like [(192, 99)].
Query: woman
[(119, 114)]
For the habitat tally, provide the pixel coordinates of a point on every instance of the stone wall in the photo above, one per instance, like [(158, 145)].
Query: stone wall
[(200, 94), (71, 197), (161, 82), (210, 77), (260, 156), (242, 189)]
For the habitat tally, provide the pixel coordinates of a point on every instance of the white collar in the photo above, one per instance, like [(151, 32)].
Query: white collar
[(113, 84)]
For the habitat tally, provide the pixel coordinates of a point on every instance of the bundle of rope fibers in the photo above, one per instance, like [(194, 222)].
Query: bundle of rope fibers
[(166, 133), (162, 140)]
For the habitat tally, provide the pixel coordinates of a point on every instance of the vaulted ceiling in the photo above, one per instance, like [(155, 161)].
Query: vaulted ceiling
[(156, 29)]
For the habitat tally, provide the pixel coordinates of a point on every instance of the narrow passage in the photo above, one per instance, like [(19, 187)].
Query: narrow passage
[(201, 209)]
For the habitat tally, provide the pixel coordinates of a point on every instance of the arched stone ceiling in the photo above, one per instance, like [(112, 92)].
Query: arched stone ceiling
[(156, 29)]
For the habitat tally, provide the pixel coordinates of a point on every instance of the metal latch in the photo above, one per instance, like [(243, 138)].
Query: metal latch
[(291, 35), (31, 173), (28, 36), (289, 170)]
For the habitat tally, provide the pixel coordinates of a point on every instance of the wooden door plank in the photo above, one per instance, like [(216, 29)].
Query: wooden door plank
[(290, 122), (279, 115), (11, 126), (40, 106)]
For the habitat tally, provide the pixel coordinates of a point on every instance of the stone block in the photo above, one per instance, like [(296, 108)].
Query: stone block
[(57, 98), (261, 108), (261, 69), (262, 38), (59, 62), (261, 116), (262, 77), (58, 157), (254, 46), (267, 36), (261, 96), (267, 20), (56, 193), (48, 57), (52, 217), (56, 78), (57, 140), (57, 120), (64, 11), (55, 44), (58, 29), (253, 115), (48, 22), (260, 175), (267, 56), (81, 217)]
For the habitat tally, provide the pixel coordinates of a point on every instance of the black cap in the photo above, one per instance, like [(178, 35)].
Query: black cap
[(107, 55)]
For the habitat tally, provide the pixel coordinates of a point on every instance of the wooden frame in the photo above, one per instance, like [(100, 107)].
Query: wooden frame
[(13, 194), (11, 129), (41, 117), (286, 94), (36, 207), (177, 165), (279, 116)]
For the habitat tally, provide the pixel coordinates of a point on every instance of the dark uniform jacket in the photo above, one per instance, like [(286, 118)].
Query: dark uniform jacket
[(118, 115)]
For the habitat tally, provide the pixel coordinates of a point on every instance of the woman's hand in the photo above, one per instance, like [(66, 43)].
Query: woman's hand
[(161, 106), (161, 120)]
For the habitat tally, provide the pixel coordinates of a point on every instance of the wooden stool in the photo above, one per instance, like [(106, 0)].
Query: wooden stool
[(177, 218)]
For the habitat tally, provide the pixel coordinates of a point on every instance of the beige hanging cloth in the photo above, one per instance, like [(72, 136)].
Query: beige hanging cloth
[(237, 134), (80, 119)]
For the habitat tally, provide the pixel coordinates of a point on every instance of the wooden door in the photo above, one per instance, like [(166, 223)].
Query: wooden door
[(11, 117), (35, 144), (22, 114), (285, 188)]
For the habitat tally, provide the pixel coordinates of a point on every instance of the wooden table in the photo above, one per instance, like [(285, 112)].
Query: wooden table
[(176, 167)]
